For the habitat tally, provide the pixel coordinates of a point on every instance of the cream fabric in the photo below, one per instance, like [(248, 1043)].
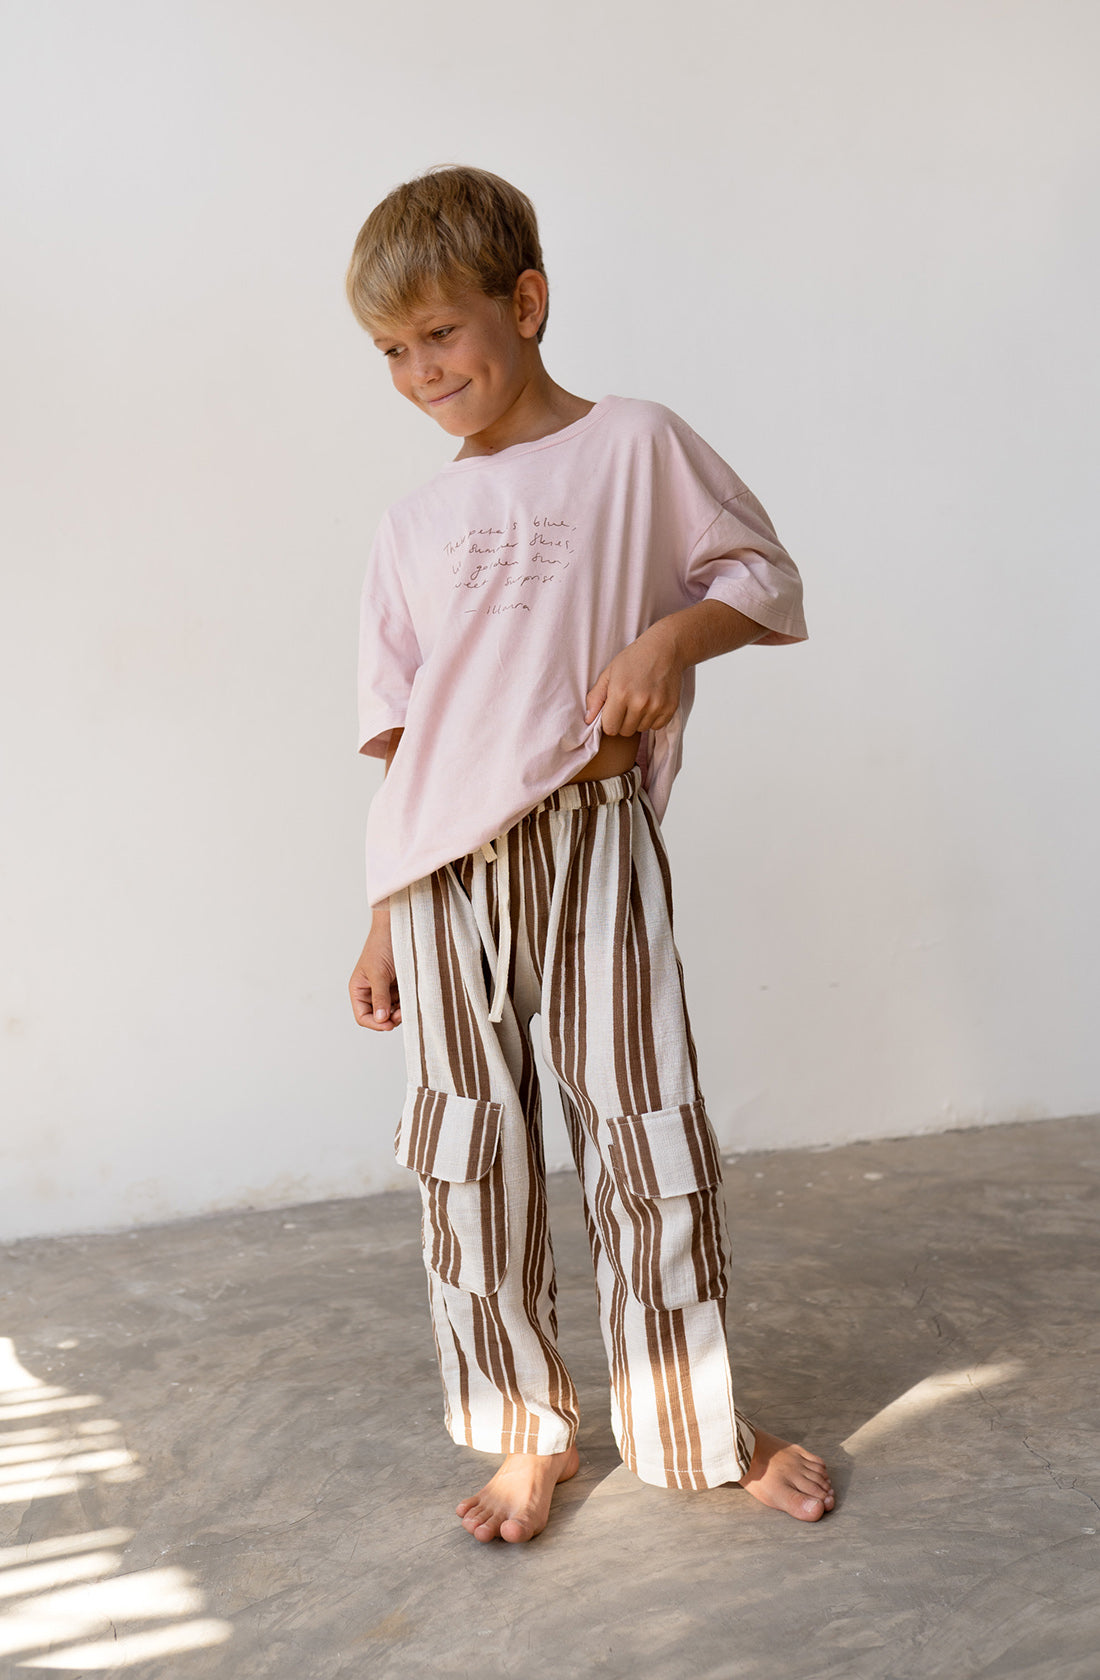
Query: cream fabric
[(570, 917)]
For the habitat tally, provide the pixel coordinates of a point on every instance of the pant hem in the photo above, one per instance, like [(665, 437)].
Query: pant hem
[(505, 1444), (692, 1480)]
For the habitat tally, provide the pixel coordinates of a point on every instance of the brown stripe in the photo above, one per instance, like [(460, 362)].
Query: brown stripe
[(639, 1155), (427, 1123), (535, 1234), (626, 1102), (647, 1223), (673, 1339), (459, 1024), (444, 954), (694, 1141), (670, 1371), (477, 1320), (620, 1369), (648, 1005), (560, 1036), (416, 988), (660, 1388), (587, 881), (512, 842), (446, 1252), (431, 1228), (542, 861), (497, 1248), (632, 1026), (479, 1135), (558, 1030), (744, 1450), (418, 1127), (491, 1343), (524, 1424), (463, 1379), (538, 1272), (465, 1051), (702, 1254), (707, 1249), (694, 1438)]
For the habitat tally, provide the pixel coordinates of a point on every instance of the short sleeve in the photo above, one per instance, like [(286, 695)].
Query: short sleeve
[(740, 560), (389, 654)]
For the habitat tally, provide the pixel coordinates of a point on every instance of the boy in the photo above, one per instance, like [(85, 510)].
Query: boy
[(531, 620)]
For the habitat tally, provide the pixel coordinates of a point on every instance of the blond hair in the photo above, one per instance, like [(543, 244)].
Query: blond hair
[(450, 228)]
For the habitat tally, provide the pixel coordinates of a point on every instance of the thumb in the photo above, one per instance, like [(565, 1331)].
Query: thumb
[(597, 694)]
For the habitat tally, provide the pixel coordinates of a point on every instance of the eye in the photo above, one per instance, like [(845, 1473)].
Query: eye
[(442, 332)]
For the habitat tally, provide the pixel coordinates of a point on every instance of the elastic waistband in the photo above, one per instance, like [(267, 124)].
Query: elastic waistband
[(606, 791)]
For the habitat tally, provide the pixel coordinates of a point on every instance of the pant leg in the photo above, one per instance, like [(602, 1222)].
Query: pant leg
[(470, 1128), (617, 1035)]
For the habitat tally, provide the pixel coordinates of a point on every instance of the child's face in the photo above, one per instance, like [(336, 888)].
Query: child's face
[(463, 360)]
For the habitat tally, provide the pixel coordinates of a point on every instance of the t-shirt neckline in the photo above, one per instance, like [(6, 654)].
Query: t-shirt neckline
[(598, 409)]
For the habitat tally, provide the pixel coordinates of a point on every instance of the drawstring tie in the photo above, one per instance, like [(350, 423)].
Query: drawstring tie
[(499, 955), (572, 796)]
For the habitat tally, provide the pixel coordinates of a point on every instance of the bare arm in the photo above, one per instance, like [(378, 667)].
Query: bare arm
[(640, 689), (373, 984)]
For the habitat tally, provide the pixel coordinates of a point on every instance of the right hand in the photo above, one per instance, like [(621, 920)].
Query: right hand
[(373, 984)]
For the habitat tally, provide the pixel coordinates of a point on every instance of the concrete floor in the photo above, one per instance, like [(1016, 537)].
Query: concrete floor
[(221, 1450)]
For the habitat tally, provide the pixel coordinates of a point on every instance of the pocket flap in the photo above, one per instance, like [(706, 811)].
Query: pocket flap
[(444, 1136), (665, 1153)]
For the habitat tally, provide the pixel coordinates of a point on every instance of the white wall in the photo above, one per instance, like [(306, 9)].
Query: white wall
[(853, 244)]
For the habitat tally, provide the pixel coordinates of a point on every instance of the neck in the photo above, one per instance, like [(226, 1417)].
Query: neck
[(540, 408)]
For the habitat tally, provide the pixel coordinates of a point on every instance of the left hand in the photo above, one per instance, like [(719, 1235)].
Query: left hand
[(640, 689)]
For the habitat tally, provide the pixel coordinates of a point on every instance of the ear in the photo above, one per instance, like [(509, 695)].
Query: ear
[(529, 302)]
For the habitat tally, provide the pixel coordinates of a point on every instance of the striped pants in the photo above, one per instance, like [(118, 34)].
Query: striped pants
[(567, 915)]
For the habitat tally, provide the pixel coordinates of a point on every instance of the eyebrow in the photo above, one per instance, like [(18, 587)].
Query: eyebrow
[(444, 310)]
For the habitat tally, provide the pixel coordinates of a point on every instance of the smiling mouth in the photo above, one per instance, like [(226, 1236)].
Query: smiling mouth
[(434, 400)]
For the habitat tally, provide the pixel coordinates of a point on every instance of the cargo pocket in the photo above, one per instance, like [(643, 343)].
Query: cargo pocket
[(668, 1175), (453, 1145)]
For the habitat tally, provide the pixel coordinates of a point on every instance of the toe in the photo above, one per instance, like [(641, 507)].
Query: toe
[(514, 1530), (811, 1510)]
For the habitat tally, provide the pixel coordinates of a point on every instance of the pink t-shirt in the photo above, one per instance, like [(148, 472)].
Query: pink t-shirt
[(496, 594)]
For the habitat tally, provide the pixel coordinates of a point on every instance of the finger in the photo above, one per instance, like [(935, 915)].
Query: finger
[(361, 1008), (380, 993), (368, 995), (614, 715), (596, 698), (359, 992)]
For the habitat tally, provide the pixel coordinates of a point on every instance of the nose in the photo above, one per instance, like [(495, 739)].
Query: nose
[(425, 368)]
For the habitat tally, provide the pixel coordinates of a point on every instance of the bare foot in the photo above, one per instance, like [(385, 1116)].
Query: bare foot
[(516, 1503), (788, 1478)]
